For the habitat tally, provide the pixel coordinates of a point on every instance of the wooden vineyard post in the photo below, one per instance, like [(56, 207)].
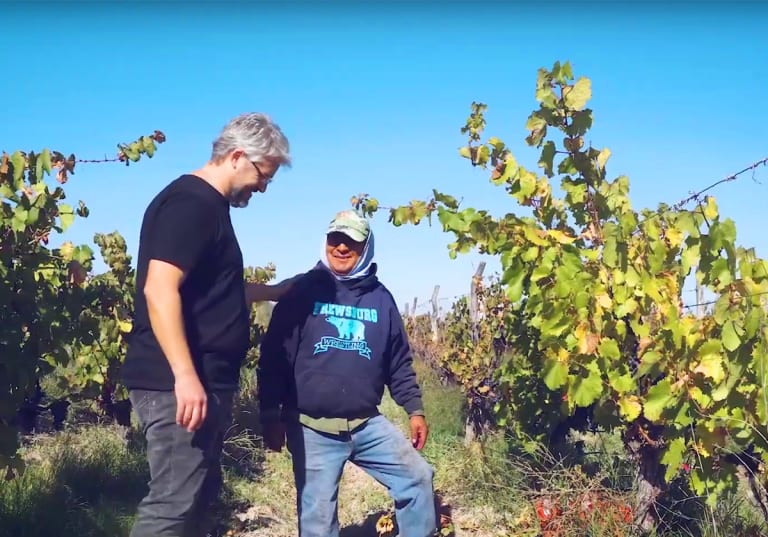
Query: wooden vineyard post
[(435, 334)]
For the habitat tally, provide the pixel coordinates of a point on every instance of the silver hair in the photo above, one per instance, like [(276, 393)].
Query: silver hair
[(257, 135)]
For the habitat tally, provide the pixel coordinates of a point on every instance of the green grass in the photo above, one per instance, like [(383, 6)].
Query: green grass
[(76, 484), (88, 481), (271, 493)]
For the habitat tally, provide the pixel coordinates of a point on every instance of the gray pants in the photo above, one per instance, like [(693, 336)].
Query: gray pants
[(185, 468)]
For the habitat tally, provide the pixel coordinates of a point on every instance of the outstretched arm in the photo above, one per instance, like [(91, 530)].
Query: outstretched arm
[(262, 292)]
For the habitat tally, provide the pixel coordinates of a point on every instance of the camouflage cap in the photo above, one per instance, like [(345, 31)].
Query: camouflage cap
[(350, 224)]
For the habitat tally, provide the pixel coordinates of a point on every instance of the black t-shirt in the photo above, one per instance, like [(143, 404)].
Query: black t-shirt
[(188, 225)]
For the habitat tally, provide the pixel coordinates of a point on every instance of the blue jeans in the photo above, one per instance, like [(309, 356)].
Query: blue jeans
[(185, 468), (382, 451)]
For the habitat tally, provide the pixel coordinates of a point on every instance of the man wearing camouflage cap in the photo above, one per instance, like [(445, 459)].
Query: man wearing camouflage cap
[(335, 340)]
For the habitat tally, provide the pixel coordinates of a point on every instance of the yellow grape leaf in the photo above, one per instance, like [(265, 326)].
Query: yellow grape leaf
[(710, 209), (66, 250), (701, 398), (643, 344), (689, 330), (630, 407), (604, 300), (711, 366), (543, 189), (701, 450), (652, 290), (674, 236), (527, 183), (484, 389), (603, 157), (579, 94), (561, 237), (535, 235), (587, 340)]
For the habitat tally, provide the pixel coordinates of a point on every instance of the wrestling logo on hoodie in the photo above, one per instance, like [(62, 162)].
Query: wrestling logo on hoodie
[(349, 322)]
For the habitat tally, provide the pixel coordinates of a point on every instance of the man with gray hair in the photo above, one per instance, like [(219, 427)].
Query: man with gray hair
[(191, 323)]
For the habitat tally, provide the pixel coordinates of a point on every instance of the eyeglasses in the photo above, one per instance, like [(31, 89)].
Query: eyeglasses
[(263, 176)]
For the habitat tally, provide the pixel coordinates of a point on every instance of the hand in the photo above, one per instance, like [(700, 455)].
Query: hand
[(419, 431), (274, 435), (191, 401)]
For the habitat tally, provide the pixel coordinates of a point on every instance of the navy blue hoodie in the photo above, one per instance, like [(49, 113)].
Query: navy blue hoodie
[(331, 347)]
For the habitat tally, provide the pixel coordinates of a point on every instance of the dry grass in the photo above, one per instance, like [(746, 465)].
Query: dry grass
[(483, 501), (269, 501), (87, 482)]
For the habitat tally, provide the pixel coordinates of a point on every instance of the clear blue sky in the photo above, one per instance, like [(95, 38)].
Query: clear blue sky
[(372, 98)]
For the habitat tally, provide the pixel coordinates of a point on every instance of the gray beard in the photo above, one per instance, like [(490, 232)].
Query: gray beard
[(238, 200)]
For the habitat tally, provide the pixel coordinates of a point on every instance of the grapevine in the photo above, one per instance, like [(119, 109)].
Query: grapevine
[(42, 291), (596, 287)]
